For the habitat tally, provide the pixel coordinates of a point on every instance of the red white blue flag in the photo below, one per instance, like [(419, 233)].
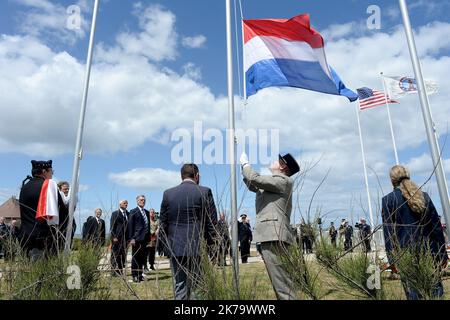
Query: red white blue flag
[(369, 98), (288, 52)]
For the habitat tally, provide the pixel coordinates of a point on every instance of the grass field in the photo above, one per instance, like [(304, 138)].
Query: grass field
[(254, 284), (158, 285)]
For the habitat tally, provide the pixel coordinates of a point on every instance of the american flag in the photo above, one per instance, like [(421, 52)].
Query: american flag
[(369, 98)]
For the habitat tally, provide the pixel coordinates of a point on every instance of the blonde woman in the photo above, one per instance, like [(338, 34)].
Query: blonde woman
[(411, 221)]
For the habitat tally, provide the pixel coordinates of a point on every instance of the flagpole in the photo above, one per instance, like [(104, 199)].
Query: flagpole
[(426, 112), (390, 120), (78, 147), (364, 166), (232, 149)]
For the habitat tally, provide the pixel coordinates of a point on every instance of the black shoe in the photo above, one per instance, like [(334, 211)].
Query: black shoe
[(141, 278), (136, 279), (152, 267)]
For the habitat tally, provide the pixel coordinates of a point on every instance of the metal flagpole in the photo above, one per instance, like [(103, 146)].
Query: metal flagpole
[(78, 147), (232, 148), (426, 112), (364, 165), (390, 121)]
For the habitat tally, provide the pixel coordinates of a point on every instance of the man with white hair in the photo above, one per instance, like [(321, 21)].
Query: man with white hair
[(119, 238)]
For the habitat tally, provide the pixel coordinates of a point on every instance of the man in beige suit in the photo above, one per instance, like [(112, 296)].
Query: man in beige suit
[(273, 216)]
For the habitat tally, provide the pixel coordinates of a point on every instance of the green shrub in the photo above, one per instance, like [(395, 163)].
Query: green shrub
[(48, 278)]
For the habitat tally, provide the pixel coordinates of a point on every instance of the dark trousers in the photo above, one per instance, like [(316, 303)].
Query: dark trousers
[(333, 241), (413, 294), (46, 245), (348, 243), (138, 259), (222, 252), (245, 250), (367, 247), (306, 244), (186, 276), (119, 256), (151, 251)]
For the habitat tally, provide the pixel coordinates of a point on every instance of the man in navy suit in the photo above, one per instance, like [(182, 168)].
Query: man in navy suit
[(119, 237), (188, 216), (139, 235)]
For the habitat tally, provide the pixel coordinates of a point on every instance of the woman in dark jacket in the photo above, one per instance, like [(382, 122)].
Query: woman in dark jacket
[(411, 222)]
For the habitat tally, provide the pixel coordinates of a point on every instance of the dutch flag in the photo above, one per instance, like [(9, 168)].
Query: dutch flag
[(289, 53)]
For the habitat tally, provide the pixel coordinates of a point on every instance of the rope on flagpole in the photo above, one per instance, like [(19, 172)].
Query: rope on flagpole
[(237, 49)]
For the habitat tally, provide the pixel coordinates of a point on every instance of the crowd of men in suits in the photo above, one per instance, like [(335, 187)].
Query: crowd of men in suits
[(188, 219)]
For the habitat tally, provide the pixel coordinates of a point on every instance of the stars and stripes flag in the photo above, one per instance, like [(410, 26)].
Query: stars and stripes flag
[(369, 98)]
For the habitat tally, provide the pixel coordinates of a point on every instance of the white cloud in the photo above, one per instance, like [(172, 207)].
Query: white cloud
[(133, 101), (325, 126), (83, 187), (423, 165), (158, 39), (337, 31), (45, 18), (194, 42), (192, 71), (147, 178)]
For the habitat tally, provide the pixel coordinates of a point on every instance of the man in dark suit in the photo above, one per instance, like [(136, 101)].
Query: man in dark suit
[(119, 237), (364, 234), (188, 216), (139, 235), (63, 187), (94, 229), (348, 236), (245, 237)]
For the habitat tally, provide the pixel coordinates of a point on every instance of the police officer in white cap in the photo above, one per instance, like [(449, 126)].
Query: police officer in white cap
[(273, 216)]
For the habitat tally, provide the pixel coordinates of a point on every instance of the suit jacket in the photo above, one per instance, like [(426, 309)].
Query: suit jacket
[(244, 232), (94, 230), (273, 205), (402, 227), (136, 226), (119, 225), (188, 215), (64, 219)]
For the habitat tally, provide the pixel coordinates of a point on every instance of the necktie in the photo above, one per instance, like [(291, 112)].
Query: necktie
[(124, 215), (145, 218)]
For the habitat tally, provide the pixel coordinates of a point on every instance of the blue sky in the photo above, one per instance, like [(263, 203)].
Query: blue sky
[(176, 74)]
